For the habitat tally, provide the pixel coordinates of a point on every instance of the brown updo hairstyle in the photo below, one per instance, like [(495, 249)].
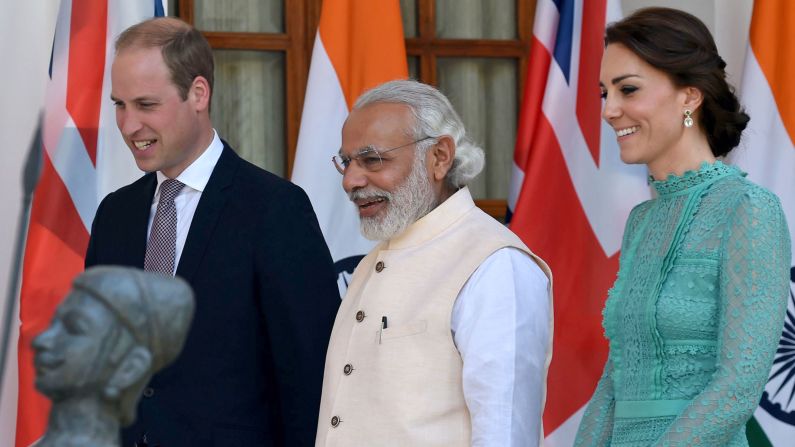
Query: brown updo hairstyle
[(680, 45)]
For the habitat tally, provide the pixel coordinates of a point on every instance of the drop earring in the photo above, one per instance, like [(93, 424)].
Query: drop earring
[(688, 120)]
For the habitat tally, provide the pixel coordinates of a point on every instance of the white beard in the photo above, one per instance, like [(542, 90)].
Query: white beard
[(410, 201)]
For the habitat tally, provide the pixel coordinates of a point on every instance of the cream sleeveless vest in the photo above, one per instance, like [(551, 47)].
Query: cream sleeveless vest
[(401, 385)]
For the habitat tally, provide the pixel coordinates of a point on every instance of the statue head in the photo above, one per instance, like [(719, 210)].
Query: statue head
[(111, 333)]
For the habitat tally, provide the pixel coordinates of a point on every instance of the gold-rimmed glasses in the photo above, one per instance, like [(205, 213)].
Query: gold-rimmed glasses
[(368, 158)]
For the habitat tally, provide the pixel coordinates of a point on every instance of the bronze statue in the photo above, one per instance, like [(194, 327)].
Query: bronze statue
[(115, 329)]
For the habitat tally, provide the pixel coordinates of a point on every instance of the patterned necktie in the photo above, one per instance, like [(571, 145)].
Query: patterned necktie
[(161, 250)]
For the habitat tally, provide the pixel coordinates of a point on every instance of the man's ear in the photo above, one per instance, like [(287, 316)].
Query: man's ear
[(442, 156), (132, 369), (199, 93)]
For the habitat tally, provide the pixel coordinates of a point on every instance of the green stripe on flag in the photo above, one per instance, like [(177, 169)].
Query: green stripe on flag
[(756, 436)]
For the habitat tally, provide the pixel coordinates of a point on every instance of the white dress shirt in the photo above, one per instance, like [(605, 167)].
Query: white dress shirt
[(500, 324), (195, 178)]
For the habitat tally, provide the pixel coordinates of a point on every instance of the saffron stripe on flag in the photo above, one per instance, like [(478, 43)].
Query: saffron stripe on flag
[(771, 24), (359, 45)]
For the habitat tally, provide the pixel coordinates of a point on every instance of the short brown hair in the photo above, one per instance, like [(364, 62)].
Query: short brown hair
[(680, 45), (185, 51)]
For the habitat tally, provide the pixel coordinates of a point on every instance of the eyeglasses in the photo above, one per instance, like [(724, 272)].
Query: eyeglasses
[(369, 158)]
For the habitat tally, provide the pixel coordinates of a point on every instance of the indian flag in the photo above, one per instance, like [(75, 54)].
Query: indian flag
[(359, 45), (767, 153)]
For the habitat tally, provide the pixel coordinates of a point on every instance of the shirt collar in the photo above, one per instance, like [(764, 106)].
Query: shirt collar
[(198, 173)]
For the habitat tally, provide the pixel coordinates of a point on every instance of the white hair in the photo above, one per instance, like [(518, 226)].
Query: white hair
[(435, 117)]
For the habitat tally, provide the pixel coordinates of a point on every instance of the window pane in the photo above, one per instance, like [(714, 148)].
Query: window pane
[(414, 67), (408, 11), (254, 16), (248, 105), (476, 19), (483, 91)]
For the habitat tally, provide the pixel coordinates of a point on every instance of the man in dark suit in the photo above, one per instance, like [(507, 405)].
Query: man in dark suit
[(247, 241)]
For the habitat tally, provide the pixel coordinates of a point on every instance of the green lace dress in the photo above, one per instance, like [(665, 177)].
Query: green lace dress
[(695, 315)]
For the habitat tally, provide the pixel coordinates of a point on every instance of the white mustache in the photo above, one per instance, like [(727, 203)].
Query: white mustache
[(369, 194)]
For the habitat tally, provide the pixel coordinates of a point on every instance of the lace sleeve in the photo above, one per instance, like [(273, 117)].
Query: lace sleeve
[(754, 287), (597, 423)]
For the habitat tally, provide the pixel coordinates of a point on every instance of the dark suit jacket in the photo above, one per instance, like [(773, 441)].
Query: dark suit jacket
[(266, 297)]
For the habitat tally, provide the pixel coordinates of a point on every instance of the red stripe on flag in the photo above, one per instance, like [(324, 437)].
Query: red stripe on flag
[(53, 209), (86, 69), (557, 229), (50, 266), (535, 86), (56, 243), (591, 49)]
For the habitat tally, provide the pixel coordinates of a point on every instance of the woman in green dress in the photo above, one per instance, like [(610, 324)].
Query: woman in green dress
[(695, 315)]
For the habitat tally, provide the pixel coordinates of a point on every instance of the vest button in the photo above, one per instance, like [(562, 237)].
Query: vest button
[(348, 369), (335, 421), (379, 266), (360, 316), (149, 392)]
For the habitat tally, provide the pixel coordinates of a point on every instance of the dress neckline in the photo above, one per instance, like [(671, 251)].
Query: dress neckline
[(707, 173)]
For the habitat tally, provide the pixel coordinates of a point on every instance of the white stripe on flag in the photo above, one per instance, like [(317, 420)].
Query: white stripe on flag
[(766, 152), (545, 25), (778, 433), (115, 164), (565, 434), (609, 191), (325, 111), (73, 165), (62, 140), (55, 97), (517, 179)]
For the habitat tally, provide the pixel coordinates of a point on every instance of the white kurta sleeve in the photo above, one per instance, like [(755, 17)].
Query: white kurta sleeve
[(500, 325)]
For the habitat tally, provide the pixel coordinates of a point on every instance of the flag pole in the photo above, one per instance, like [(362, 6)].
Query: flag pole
[(30, 177)]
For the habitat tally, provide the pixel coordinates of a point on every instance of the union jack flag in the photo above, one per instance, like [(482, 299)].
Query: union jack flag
[(571, 194), (83, 158)]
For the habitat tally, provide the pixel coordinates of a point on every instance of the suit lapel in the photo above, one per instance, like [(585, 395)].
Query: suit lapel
[(139, 221), (208, 211)]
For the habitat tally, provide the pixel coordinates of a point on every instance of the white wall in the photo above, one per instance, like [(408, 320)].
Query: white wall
[(26, 30), (728, 20)]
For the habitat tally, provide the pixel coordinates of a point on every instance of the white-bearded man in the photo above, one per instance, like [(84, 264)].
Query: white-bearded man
[(443, 338)]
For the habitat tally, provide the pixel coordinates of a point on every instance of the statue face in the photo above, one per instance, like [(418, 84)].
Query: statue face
[(71, 356)]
